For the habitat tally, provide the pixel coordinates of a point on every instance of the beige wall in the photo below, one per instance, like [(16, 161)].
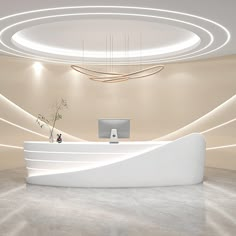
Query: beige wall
[(157, 106)]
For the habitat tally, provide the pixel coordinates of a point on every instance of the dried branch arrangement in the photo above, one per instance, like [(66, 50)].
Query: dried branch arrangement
[(54, 116)]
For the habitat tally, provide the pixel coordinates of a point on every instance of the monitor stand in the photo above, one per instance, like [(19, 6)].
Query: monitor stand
[(114, 136)]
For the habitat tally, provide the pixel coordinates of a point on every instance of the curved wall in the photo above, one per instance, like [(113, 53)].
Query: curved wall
[(159, 106)]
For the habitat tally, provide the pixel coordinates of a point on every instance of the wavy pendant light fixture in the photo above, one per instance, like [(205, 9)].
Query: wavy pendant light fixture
[(110, 77), (115, 77)]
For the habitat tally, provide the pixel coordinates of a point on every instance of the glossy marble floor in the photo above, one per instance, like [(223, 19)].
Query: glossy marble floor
[(205, 209)]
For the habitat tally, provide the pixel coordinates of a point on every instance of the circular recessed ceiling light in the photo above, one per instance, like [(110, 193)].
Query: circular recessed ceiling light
[(205, 38), (20, 40)]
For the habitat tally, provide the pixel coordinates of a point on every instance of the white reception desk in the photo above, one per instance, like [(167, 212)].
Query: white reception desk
[(127, 164)]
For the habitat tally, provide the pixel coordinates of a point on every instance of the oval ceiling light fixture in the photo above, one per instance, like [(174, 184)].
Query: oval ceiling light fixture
[(210, 36), (18, 42), (110, 77), (21, 41)]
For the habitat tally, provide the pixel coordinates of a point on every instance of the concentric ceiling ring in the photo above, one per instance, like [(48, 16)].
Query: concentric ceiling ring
[(213, 35)]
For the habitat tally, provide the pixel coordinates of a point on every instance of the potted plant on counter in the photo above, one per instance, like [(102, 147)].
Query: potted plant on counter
[(51, 120)]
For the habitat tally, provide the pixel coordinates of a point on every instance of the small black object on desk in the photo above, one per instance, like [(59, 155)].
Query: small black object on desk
[(59, 139)]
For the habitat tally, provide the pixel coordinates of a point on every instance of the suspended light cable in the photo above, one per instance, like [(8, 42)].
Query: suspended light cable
[(113, 77)]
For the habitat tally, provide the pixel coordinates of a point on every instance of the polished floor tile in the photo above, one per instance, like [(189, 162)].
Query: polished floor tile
[(201, 210)]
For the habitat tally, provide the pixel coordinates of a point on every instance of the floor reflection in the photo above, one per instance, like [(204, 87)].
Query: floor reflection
[(205, 209)]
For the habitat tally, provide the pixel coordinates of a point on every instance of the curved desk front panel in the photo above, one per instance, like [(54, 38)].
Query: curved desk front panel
[(128, 164)]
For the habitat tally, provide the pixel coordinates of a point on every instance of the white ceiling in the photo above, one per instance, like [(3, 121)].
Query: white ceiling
[(79, 32), (135, 30)]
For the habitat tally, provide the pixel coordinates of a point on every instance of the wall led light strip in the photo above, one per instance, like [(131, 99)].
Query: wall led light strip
[(189, 128), (221, 147), (10, 146), (18, 108), (112, 10), (23, 128), (218, 126)]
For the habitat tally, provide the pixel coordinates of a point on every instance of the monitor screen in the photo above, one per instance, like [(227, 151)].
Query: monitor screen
[(121, 125)]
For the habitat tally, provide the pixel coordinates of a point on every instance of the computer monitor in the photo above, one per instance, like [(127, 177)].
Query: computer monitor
[(114, 129)]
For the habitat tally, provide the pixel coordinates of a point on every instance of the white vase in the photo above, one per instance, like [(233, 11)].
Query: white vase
[(51, 140)]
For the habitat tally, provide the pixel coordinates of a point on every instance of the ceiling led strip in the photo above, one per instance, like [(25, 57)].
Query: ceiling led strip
[(208, 30)]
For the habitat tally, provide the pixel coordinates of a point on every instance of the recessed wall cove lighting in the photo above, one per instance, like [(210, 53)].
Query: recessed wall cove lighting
[(221, 147), (189, 128), (219, 126), (30, 118), (10, 146), (22, 128)]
